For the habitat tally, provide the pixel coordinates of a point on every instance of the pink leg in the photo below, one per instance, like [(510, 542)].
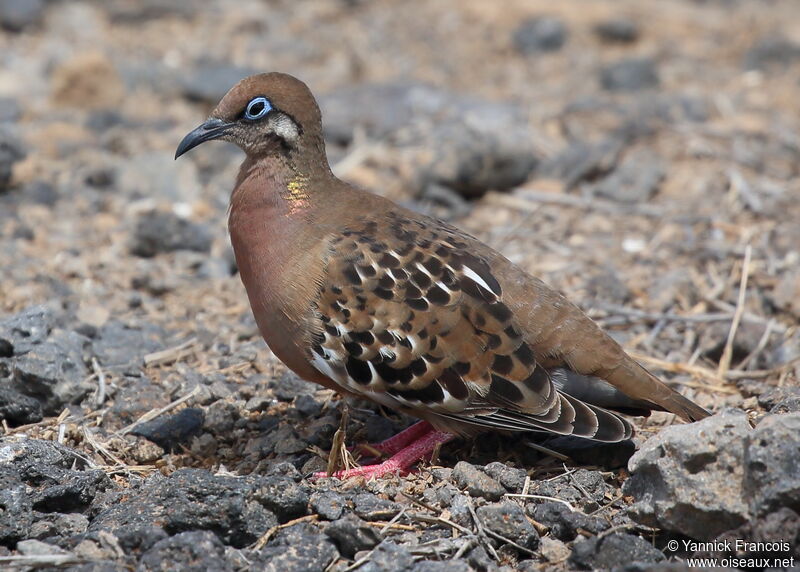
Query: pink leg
[(396, 444), (403, 459)]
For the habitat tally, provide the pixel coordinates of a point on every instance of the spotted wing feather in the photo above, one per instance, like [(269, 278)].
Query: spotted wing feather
[(408, 317)]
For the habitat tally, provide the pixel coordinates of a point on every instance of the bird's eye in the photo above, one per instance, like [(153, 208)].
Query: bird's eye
[(257, 108)]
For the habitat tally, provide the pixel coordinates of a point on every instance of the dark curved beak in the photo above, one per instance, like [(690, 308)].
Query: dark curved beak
[(212, 129)]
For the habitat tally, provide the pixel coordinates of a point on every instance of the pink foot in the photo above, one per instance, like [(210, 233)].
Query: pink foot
[(406, 456), (398, 442)]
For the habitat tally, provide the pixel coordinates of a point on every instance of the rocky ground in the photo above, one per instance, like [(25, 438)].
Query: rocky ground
[(643, 159)]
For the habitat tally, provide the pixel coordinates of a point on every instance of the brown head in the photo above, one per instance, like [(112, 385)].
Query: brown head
[(265, 114)]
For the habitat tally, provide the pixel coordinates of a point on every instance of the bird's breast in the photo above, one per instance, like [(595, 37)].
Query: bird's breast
[(276, 262)]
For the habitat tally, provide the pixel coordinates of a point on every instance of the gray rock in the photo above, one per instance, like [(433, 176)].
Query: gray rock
[(329, 505), (372, 507), (617, 31), (21, 332), (195, 551), (477, 144), (389, 557), (172, 431), (190, 500), (18, 409), (158, 232), (40, 193), (772, 464), (780, 526), (380, 109), (38, 548), (540, 34), (473, 153), (220, 417), (351, 534), (10, 110), (607, 552), (58, 524), (509, 521), (583, 161), (67, 491), (511, 478), (636, 180), (283, 496), (773, 51), (16, 512), (54, 372), (563, 522), (120, 347), (689, 478), (11, 151), (476, 482), (459, 510), (631, 74), (298, 548), (44, 477), (15, 15), (209, 81)]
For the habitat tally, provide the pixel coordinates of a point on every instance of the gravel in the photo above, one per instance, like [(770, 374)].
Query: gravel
[(639, 190)]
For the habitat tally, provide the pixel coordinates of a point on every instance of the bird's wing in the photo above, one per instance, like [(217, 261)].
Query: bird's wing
[(409, 317)]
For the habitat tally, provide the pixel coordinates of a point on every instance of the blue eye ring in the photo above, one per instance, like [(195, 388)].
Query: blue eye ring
[(257, 108)]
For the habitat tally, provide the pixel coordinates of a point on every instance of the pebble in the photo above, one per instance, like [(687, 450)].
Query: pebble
[(540, 34), (351, 534), (157, 232), (16, 15), (11, 152), (476, 482), (172, 431), (617, 31), (607, 552), (509, 521), (630, 74)]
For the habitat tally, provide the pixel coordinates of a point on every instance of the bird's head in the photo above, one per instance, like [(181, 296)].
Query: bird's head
[(264, 114)]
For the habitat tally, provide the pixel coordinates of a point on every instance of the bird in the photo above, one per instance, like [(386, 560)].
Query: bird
[(370, 299)]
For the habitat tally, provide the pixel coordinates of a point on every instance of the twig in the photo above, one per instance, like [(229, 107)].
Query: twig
[(169, 355), (339, 456), (100, 448), (502, 538), (150, 415), (397, 517), (440, 520), (727, 352), (101, 383), (481, 532), (546, 451), (261, 542), (608, 504), (42, 560), (541, 497), (762, 343), (387, 525)]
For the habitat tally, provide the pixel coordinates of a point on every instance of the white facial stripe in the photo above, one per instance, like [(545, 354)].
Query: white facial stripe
[(285, 128)]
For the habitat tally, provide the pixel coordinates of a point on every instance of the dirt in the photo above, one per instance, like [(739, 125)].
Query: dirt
[(634, 157)]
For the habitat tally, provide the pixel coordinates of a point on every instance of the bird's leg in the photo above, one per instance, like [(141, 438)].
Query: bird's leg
[(419, 449), (396, 443)]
